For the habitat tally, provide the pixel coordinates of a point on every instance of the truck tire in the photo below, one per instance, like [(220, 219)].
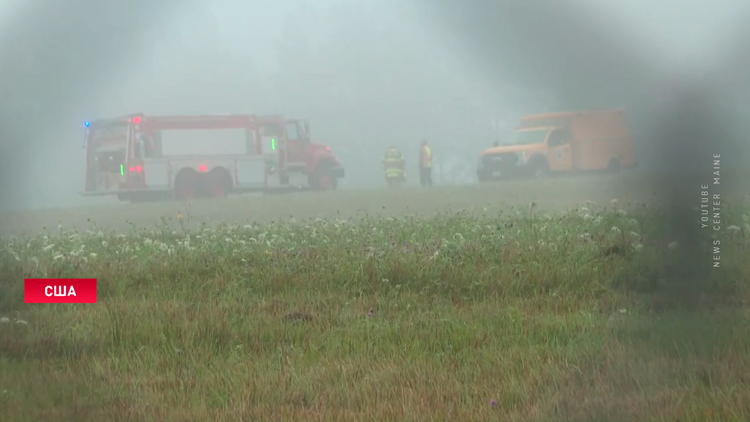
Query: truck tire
[(539, 169), (322, 180), (185, 185), (613, 166), (484, 177), (220, 182)]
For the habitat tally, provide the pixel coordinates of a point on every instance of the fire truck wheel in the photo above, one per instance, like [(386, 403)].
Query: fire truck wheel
[(184, 185), (323, 180), (220, 182), (326, 182)]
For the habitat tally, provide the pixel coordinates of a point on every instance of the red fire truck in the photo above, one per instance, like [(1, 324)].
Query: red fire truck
[(138, 157)]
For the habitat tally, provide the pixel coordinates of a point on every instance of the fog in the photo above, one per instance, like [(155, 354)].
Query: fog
[(366, 74)]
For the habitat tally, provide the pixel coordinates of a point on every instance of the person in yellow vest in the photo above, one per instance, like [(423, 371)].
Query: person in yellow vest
[(394, 165), (425, 165)]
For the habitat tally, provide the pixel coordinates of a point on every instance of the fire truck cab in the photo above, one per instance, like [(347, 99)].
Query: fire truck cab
[(138, 157)]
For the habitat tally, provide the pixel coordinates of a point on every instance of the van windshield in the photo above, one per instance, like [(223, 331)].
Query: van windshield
[(528, 137)]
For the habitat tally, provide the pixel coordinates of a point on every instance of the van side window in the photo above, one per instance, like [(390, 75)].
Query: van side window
[(556, 138)]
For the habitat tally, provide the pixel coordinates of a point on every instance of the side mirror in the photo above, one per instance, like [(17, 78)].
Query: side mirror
[(307, 129)]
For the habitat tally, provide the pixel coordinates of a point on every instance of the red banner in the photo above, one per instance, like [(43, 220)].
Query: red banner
[(60, 290)]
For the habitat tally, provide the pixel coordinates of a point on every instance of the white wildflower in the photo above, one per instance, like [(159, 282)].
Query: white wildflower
[(733, 228), (615, 229), (92, 255), (21, 322), (57, 257), (48, 247), (638, 247), (614, 202), (104, 243), (622, 213), (4, 320)]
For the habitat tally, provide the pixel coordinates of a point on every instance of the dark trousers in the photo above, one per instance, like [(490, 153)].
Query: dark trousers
[(425, 176)]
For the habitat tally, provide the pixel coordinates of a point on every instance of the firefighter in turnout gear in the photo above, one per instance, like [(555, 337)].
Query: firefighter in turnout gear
[(394, 165), (425, 165)]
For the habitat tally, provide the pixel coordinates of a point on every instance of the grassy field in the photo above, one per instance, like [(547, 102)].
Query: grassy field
[(514, 314), (549, 194)]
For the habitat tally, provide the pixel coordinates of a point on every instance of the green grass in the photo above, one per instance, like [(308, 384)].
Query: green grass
[(538, 313)]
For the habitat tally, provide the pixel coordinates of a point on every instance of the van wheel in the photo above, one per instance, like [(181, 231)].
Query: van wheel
[(540, 170), (613, 166)]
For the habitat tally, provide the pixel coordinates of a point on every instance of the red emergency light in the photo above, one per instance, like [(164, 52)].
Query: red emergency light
[(136, 120), (202, 167), (136, 169)]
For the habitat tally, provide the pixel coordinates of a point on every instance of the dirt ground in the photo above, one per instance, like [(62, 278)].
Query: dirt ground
[(548, 194)]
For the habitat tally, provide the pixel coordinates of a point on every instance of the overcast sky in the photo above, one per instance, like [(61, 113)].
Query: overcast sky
[(664, 30), (681, 28)]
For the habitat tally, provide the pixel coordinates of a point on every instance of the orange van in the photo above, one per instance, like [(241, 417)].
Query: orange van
[(558, 143)]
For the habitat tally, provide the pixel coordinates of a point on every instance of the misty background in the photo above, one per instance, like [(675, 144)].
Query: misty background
[(366, 73)]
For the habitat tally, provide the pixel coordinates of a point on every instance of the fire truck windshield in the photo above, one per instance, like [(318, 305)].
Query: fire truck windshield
[(107, 138), (291, 131), (270, 130)]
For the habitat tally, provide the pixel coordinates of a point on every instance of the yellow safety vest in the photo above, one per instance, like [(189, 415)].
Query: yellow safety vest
[(393, 163), (426, 156)]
